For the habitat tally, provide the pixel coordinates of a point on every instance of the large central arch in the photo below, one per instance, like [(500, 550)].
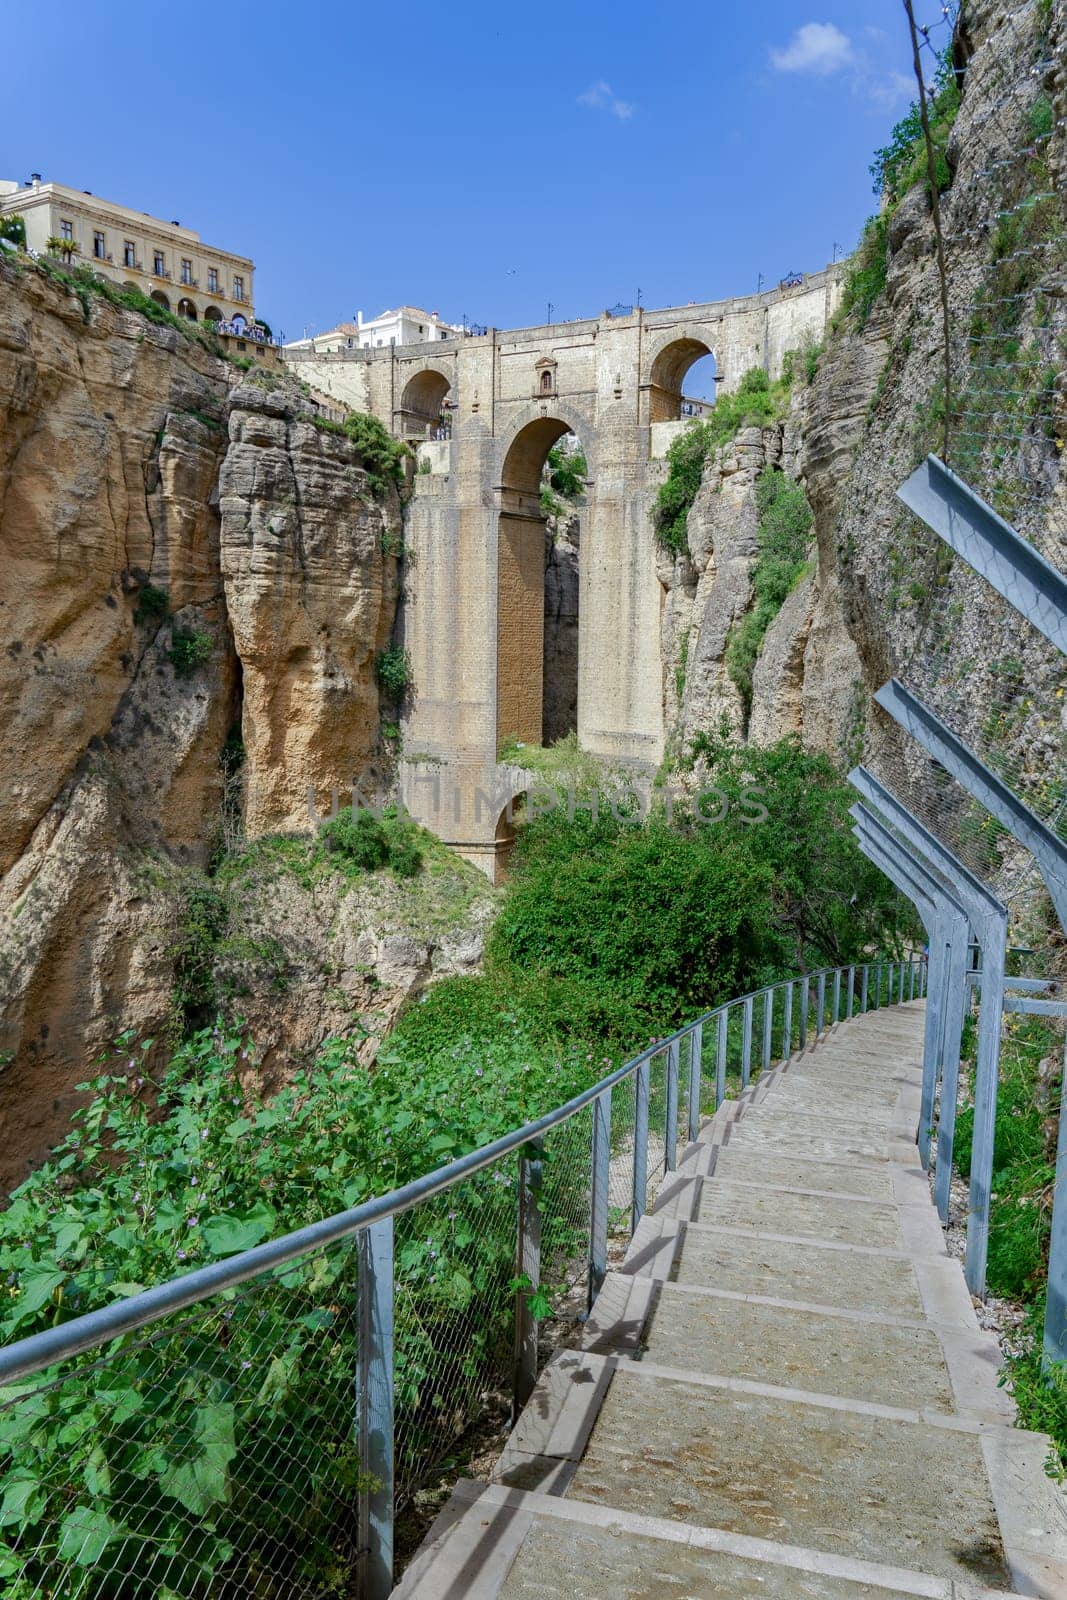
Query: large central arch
[(520, 583)]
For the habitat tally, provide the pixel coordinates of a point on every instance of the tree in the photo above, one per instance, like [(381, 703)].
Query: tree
[(67, 248), (13, 229)]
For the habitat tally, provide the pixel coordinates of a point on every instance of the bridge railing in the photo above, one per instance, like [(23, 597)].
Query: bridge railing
[(274, 1422)]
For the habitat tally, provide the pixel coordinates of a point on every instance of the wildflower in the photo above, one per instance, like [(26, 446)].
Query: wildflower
[(192, 1222)]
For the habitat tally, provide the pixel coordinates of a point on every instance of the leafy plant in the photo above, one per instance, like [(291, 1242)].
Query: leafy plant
[(153, 604), (382, 456), (393, 672), (868, 269), (902, 163), (567, 471), (189, 649), (13, 229)]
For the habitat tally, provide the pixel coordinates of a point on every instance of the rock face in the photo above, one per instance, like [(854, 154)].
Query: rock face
[(882, 598), (187, 563), (311, 597)]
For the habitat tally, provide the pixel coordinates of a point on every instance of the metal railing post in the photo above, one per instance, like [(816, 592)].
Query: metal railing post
[(864, 987), (640, 1184), (1055, 1340), (746, 1043), (374, 1411), (670, 1118), (787, 1022), (985, 1113), (720, 1059), (951, 1022), (805, 1001), (836, 1016), (850, 999), (600, 1177), (528, 1271), (820, 1002), (768, 1028), (696, 1048)]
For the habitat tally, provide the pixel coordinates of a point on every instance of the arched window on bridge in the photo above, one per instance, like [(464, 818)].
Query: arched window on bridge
[(682, 381), (423, 412), (538, 585)]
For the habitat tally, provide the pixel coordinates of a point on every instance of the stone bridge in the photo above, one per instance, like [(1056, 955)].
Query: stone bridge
[(475, 615)]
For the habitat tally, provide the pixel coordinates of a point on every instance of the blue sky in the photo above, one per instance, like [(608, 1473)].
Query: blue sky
[(478, 159)]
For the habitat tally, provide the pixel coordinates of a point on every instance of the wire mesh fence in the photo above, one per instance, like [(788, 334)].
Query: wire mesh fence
[(996, 412), (262, 1440)]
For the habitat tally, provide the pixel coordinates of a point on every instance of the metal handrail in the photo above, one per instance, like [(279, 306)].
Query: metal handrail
[(52, 1345)]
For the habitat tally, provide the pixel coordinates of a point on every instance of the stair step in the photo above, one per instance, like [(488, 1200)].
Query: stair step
[(496, 1543)]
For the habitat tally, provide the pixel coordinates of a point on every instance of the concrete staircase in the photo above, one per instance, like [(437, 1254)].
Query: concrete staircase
[(783, 1392)]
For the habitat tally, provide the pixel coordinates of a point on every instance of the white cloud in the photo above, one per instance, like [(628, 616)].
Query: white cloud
[(821, 49), (892, 91), (817, 47), (602, 97)]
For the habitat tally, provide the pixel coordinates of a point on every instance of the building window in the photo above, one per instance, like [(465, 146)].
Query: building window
[(129, 254), (187, 270), (159, 265), (393, 339), (66, 230), (213, 280), (238, 288), (443, 334), (100, 246), (546, 382)]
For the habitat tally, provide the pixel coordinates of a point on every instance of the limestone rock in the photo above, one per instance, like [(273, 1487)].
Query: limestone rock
[(311, 599)]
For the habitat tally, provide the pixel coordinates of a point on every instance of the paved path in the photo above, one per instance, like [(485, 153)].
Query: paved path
[(783, 1393)]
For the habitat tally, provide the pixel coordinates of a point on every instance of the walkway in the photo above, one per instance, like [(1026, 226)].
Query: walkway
[(784, 1392)]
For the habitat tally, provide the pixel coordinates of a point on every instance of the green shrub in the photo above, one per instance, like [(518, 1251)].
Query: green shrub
[(868, 269), (189, 650), (152, 604), (358, 840), (381, 455), (685, 469), (902, 163), (13, 229), (363, 842), (567, 471), (393, 672)]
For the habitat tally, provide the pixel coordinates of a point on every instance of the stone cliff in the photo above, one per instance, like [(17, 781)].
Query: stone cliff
[(195, 583)]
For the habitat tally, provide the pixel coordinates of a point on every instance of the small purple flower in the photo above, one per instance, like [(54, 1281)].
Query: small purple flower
[(192, 1222)]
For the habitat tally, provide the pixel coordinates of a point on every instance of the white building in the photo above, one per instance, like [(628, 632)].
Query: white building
[(405, 325), (135, 250)]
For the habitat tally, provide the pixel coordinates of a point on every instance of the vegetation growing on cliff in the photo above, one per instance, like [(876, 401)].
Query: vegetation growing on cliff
[(614, 928), (785, 520), (896, 169), (756, 404)]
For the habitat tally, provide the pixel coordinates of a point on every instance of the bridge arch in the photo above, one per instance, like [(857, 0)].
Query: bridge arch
[(667, 374), (421, 401), (522, 566)]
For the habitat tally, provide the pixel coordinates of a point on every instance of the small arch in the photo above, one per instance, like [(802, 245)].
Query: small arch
[(239, 324), (667, 377), (422, 405), (160, 298), (187, 309), (504, 837), (212, 314)]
